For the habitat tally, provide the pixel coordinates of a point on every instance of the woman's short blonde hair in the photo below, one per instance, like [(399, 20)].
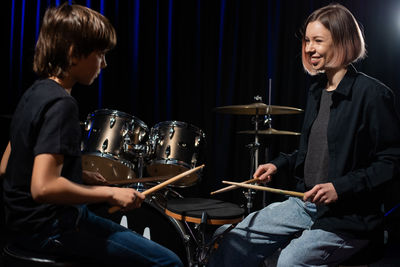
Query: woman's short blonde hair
[(346, 34)]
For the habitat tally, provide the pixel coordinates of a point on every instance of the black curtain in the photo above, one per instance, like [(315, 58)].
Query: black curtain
[(178, 60)]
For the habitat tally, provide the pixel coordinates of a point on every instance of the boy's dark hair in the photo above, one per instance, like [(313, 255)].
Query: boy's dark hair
[(70, 31)]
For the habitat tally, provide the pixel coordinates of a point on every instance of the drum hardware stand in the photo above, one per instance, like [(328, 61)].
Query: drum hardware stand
[(140, 151), (249, 193), (201, 252), (203, 249), (268, 122), (140, 186)]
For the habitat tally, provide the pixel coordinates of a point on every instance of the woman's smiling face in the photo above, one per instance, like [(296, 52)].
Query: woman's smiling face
[(319, 48)]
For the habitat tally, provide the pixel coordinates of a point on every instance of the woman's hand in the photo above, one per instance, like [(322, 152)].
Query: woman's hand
[(264, 172), (321, 194)]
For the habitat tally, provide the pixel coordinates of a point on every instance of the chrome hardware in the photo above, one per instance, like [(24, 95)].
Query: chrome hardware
[(171, 131), (194, 160), (105, 145), (197, 141), (127, 143), (112, 121), (182, 144)]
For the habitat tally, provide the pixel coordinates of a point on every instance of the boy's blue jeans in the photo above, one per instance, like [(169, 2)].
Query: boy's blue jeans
[(83, 234)]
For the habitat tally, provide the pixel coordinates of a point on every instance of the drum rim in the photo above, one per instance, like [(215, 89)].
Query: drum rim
[(179, 123), (112, 157), (179, 163), (119, 114), (186, 215), (170, 161)]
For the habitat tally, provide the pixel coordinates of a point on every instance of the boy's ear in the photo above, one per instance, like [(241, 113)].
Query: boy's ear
[(74, 60)]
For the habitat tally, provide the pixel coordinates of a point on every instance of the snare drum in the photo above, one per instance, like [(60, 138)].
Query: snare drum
[(110, 143), (217, 212), (176, 147)]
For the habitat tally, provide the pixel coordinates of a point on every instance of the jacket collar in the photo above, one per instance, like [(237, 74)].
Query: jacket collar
[(344, 87)]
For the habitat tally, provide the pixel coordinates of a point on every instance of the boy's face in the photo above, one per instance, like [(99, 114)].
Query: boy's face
[(86, 69)]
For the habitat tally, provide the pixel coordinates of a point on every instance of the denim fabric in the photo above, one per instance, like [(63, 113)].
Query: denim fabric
[(265, 231), (83, 234)]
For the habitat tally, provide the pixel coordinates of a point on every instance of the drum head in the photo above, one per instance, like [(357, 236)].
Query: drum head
[(192, 209)]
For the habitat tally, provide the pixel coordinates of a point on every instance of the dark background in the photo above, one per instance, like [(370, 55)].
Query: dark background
[(178, 60)]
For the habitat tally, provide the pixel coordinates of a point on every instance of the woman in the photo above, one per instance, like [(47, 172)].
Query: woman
[(349, 151), (43, 190)]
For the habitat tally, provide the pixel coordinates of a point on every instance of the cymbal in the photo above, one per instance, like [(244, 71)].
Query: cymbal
[(269, 131), (257, 108)]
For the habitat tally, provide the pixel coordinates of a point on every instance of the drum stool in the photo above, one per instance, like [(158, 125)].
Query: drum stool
[(15, 256)]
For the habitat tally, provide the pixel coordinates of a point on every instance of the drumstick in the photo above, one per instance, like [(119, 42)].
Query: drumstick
[(162, 185), (268, 189), (231, 187), (141, 180)]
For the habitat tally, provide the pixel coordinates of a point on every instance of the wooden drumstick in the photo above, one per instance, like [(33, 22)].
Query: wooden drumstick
[(231, 187), (268, 189), (162, 185)]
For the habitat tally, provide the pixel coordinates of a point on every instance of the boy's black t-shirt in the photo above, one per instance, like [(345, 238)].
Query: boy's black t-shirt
[(46, 120)]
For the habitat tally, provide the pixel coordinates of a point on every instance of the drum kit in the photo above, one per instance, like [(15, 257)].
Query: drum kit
[(123, 148)]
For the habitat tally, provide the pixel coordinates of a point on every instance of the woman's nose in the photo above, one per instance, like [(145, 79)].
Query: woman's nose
[(310, 47)]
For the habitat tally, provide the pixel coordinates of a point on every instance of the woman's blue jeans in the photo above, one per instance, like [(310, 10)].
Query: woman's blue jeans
[(265, 231)]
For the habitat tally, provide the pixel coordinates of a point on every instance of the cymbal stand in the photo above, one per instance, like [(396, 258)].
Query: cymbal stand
[(268, 118), (249, 193), (267, 121)]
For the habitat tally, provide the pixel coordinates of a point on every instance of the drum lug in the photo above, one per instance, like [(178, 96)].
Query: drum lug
[(171, 131), (186, 238), (127, 143), (105, 145), (197, 141), (112, 121), (159, 141), (194, 160), (168, 151), (182, 144), (87, 125)]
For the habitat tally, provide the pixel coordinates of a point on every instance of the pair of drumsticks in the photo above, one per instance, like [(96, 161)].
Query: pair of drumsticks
[(247, 184), (233, 185)]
